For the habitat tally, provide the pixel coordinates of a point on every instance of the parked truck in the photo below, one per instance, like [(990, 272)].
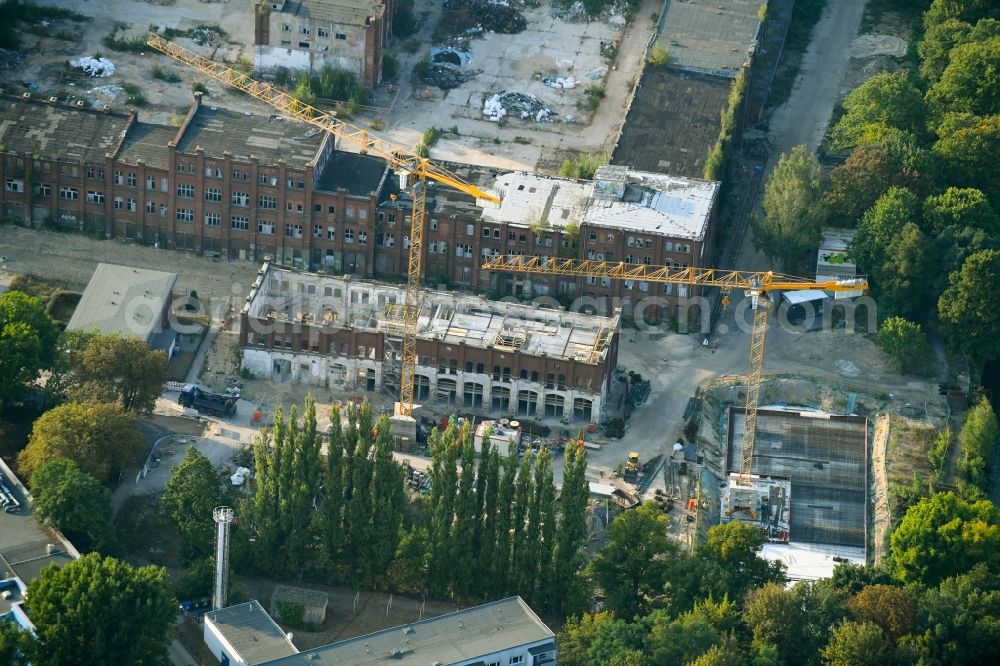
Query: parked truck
[(631, 472), (207, 402)]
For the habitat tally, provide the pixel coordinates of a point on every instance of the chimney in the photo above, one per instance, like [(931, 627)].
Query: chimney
[(223, 516)]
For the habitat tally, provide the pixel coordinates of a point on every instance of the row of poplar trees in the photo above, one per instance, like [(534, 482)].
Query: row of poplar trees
[(500, 528), (490, 528)]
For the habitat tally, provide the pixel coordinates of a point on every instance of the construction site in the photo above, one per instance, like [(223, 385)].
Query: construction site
[(806, 480)]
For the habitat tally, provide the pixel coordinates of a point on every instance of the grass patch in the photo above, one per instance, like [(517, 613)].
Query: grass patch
[(595, 93), (118, 40), (429, 138), (164, 74), (411, 46), (804, 16), (44, 289), (583, 165), (135, 95), (908, 463)]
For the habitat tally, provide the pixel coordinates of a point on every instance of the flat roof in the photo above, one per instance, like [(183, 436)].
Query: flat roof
[(710, 35), (253, 634), (147, 142), (446, 639), (654, 203), (444, 316), (58, 130), (825, 456), (641, 201), (352, 12), (268, 137), (811, 561), (123, 299), (357, 174)]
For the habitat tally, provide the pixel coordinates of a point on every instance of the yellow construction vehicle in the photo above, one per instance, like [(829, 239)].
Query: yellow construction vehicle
[(756, 285), (631, 472), (414, 172)]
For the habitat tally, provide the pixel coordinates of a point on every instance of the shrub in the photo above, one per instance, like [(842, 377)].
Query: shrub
[(659, 56)]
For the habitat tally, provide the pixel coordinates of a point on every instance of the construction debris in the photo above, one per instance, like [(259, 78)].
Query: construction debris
[(560, 82), (517, 105), (498, 16), (449, 57), (447, 78), (207, 36), (96, 67)]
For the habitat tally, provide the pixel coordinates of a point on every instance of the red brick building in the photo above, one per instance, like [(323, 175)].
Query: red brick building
[(260, 188)]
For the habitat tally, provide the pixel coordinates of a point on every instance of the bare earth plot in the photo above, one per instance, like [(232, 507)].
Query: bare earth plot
[(673, 122)]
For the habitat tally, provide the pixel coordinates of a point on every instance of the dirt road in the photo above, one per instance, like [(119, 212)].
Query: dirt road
[(802, 120)]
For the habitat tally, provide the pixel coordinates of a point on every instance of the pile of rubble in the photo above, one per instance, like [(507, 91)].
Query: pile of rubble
[(447, 78), (498, 16), (206, 36), (517, 105), (96, 67)]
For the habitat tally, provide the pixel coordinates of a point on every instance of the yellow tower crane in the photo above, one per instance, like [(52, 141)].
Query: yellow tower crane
[(414, 172), (755, 284)]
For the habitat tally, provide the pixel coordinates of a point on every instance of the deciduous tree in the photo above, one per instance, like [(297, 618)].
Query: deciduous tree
[(193, 491), (793, 209), (969, 145), (969, 309), (891, 608), (27, 342), (100, 611), (858, 644), (99, 437), (978, 439), (73, 503), (112, 368), (971, 81), (907, 345), (888, 99), (630, 568), (944, 535), (775, 617)]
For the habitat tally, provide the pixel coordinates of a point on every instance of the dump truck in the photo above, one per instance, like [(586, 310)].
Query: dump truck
[(631, 472), (207, 402)]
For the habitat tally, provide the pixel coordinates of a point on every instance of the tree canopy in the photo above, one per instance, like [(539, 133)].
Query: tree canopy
[(971, 81), (193, 491), (27, 342), (99, 437), (631, 567), (73, 503), (100, 611), (793, 209), (944, 535), (888, 99), (907, 345), (969, 309), (111, 368), (978, 439)]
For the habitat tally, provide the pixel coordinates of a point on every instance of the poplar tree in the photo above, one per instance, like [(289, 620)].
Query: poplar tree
[(388, 499), (444, 475), (488, 543), (566, 594), (519, 514), (547, 499), (357, 529), (463, 553), (332, 516), (527, 572), (505, 510)]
